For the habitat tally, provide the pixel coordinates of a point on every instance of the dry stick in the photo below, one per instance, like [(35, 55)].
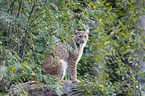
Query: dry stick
[(9, 36), (26, 33), (30, 26), (17, 20), (12, 9), (36, 16), (9, 31), (11, 5), (19, 8)]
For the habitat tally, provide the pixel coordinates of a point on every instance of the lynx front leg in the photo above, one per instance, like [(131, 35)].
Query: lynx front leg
[(73, 71)]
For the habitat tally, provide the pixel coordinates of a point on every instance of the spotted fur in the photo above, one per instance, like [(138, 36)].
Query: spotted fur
[(66, 56)]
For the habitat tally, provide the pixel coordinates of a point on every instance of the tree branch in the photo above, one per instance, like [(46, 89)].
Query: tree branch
[(19, 8), (26, 33), (11, 6)]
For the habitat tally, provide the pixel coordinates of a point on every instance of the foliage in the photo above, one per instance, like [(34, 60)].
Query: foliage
[(29, 29)]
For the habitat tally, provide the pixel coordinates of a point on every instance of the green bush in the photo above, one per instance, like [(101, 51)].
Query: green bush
[(29, 29)]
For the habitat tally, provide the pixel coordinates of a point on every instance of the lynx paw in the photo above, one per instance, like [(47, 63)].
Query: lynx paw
[(76, 81), (66, 81)]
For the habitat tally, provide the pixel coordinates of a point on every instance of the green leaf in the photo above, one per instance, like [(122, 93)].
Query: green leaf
[(26, 65), (13, 68)]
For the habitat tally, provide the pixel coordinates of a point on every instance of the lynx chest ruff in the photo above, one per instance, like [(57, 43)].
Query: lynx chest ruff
[(80, 52)]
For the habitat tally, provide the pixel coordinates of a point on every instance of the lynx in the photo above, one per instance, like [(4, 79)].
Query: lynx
[(66, 56)]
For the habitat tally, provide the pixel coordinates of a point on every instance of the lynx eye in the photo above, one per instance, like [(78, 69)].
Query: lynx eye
[(80, 36), (85, 36)]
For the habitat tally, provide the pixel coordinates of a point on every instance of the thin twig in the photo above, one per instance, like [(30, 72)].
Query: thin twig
[(19, 8), (26, 33), (11, 5), (35, 17)]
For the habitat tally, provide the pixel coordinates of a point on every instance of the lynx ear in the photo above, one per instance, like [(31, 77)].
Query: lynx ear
[(76, 31), (87, 31)]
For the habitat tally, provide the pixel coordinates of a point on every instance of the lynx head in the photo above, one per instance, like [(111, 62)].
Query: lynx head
[(81, 37)]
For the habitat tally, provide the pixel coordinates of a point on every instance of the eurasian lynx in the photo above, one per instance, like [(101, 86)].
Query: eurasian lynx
[(68, 56)]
